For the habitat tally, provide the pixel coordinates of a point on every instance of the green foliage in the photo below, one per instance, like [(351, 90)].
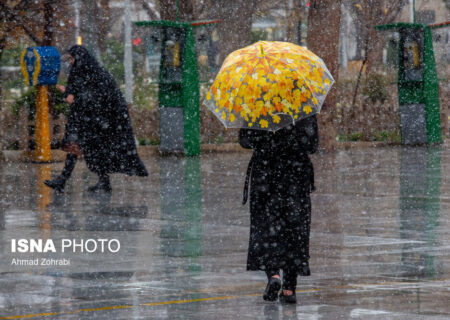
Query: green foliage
[(385, 136), (218, 139), (381, 136), (28, 101), (145, 95), (14, 84), (13, 146), (357, 136), (148, 142), (112, 59), (376, 87), (389, 136), (257, 35), (11, 56)]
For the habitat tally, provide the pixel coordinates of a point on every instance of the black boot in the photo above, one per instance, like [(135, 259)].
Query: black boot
[(103, 184), (60, 181), (288, 298), (271, 292), (57, 184)]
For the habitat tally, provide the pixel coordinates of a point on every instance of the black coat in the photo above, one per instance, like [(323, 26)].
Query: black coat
[(282, 179), (98, 120)]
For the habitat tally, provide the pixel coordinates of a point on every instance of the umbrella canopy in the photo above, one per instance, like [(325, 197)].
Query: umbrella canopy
[(268, 85)]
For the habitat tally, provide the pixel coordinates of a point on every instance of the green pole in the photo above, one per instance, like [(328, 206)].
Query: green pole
[(420, 194), (193, 212), (191, 97), (185, 93), (177, 10), (431, 91), (432, 203)]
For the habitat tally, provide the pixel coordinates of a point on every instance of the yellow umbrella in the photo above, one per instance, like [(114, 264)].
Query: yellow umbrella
[(268, 85)]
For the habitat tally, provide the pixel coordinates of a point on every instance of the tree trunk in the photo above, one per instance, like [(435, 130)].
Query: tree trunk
[(47, 40), (323, 40), (103, 23), (235, 27), (151, 13), (375, 44), (234, 30), (168, 10), (48, 23), (2, 46), (370, 15), (377, 16)]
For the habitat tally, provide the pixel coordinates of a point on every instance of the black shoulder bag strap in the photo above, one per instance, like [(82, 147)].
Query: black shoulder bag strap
[(247, 180)]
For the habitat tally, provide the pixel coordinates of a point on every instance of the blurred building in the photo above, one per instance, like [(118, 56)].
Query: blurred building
[(426, 12), (282, 21)]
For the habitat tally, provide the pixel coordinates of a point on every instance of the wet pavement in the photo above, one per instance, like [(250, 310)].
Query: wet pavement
[(380, 241)]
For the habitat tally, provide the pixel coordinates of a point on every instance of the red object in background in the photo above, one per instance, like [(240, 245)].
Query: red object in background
[(137, 41), (308, 4)]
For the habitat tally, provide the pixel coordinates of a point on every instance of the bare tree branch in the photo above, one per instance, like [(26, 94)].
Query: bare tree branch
[(396, 11), (151, 13), (264, 6), (371, 20), (22, 5), (12, 17), (48, 23), (205, 11)]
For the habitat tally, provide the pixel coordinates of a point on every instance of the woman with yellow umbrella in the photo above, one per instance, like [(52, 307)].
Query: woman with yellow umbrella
[(272, 91)]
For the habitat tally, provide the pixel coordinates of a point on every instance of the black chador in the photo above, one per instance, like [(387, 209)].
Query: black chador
[(98, 121), (281, 179)]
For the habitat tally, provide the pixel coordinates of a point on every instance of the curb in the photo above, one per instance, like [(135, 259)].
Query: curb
[(223, 147), (365, 144), (204, 148), (27, 156), (146, 152)]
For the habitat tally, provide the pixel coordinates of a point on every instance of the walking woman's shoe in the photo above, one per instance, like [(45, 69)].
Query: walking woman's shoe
[(271, 292), (57, 184), (103, 184), (290, 298)]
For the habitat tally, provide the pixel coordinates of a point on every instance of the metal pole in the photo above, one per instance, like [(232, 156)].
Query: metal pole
[(191, 97), (413, 9), (42, 129), (128, 62), (43, 172), (77, 21), (90, 18)]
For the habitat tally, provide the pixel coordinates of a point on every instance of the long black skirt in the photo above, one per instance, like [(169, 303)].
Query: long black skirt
[(280, 215)]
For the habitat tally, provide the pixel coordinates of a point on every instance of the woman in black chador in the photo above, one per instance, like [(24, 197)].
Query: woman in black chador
[(98, 124), (282, 178)]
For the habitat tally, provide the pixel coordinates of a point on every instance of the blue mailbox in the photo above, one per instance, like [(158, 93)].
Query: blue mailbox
[(40, 65)]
